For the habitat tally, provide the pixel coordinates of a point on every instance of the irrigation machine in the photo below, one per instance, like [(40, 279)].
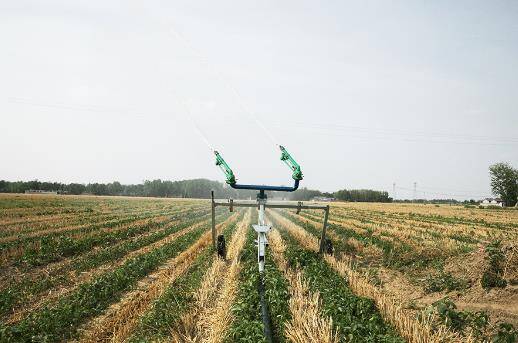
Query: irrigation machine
[(262, 228)]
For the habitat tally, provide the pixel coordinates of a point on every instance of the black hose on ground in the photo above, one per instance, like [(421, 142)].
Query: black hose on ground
[(264, 312)]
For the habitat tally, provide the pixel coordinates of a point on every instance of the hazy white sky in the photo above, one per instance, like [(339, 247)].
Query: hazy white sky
[(363, 94)]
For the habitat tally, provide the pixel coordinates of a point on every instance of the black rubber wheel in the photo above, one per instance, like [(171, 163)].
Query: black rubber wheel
[(329, 246), (222, 249)]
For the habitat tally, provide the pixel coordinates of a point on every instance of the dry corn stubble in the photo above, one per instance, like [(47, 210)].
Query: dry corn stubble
[(211, 315), (120, 319), (64, 229), (307, 324), (409, 327), (50, 297), (8, 255)]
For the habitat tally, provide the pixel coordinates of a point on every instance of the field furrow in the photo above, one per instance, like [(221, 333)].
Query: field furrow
[(31, 231), (120, 319), (209, 316), (307, 323), (65, 278), (411, 329), (41, 251), (120, 269), (90, 299)]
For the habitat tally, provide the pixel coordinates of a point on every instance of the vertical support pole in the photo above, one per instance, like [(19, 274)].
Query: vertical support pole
[(213, 220), (261, 250), (323, 238), (261, 235), (231, 205)]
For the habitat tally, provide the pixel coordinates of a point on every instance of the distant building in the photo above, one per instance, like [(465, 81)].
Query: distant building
[(39, 191), (492, 202), (323, 199)]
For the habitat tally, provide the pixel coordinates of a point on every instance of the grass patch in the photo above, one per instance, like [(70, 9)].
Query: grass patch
[(443, 281)]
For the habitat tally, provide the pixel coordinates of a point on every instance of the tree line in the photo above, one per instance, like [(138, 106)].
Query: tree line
[(195, 188), (362, 195), (504, 183)]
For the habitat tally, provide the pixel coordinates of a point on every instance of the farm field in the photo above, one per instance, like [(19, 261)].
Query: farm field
[(95, 269)]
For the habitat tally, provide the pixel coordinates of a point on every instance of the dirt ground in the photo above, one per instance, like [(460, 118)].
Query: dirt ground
[(501, 304)]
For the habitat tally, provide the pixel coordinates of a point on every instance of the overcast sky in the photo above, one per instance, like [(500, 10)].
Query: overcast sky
[(363, 94)]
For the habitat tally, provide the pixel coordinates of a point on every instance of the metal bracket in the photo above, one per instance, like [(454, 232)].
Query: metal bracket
[(262, 243)]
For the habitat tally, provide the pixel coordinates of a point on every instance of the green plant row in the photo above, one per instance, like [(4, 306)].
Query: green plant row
[(339, 246), (26, 228), (85, 209), (401, 256), (72, 217), (18, 292), (156, 324), (278, 297), (494, 272), (443, 281), (391, 252), (356, 318), (385, 245), (248, 324), (8, 207), (466, 239), (51, 249), (111, 253), (475, 323), (81, 218), (435, 219), (61, 320), (44, 206), (26, 240), (94, 216)]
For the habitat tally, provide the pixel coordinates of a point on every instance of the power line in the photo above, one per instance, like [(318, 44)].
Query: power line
[(451, 190), (390, 134), (74, 107), (413, 190), (336, 126)]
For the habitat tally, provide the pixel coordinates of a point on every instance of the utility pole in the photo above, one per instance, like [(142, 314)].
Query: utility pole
[(394, 190), (415, 191)]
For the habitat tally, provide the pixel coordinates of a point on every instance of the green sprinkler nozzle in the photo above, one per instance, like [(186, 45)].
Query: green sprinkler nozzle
[(290, 162), (231, 179)]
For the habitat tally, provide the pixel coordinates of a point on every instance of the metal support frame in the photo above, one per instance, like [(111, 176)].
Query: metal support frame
[(262, 242), (323, 238), (299, 206), (213, 221)]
